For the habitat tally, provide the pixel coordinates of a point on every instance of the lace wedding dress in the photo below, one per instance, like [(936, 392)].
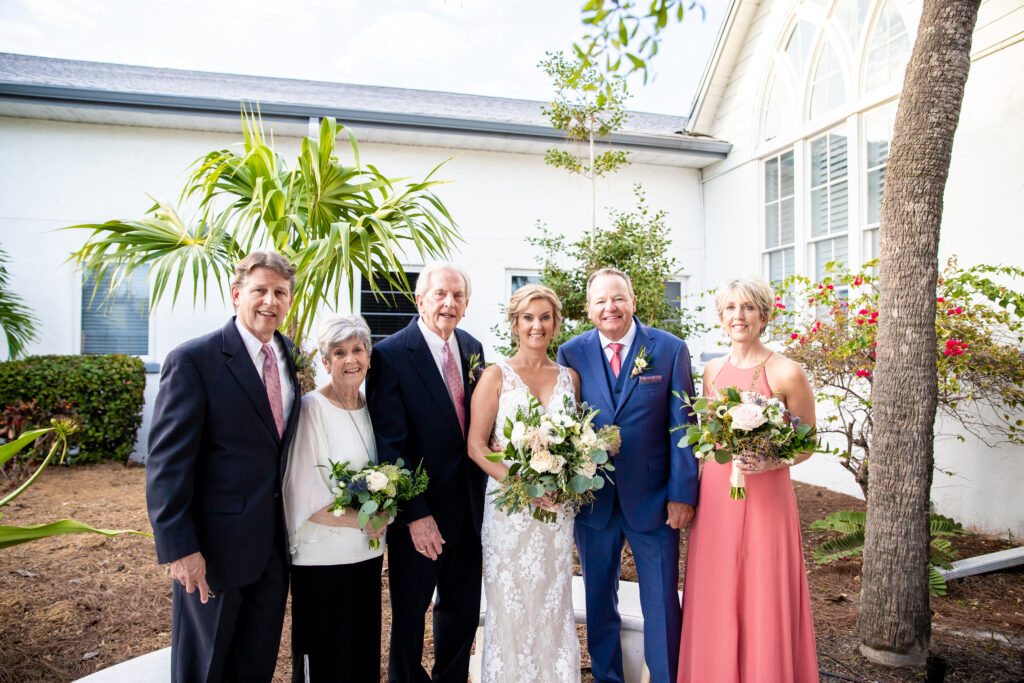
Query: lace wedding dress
[(529, 633)]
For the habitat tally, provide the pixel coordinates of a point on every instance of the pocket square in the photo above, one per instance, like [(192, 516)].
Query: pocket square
[(649, 379)]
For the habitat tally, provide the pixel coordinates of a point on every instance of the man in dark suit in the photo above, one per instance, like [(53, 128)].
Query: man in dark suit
[(418, 390), (226, 409), (629, 372)]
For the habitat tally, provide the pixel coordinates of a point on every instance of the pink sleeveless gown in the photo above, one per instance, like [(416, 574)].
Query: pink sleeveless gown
[(746, 607)]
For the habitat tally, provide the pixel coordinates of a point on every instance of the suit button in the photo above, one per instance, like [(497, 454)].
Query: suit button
[(618, 391), (277, 494)]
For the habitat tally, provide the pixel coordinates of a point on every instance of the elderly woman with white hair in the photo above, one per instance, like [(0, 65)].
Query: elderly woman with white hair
[(335, 574)]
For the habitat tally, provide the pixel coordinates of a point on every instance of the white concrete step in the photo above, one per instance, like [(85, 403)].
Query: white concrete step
[(981, 564)]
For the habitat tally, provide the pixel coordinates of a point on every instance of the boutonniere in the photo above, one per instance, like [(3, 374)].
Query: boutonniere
[(640, 363), (475, 367)]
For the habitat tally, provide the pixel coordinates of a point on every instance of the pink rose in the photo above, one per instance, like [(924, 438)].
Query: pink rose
[(746, 416)]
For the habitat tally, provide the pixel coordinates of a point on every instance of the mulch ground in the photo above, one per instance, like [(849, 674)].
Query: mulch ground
[(71, 605)]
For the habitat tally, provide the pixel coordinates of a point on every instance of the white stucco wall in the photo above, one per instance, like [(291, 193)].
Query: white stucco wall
[(980, 225), (62, 173)]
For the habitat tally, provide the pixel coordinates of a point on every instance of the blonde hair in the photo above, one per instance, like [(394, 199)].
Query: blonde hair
[(522, 297), (755, 290)]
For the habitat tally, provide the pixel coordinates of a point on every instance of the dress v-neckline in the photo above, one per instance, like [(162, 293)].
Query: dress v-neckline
[(526, 386)]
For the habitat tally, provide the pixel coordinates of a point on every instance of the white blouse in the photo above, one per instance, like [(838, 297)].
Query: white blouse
[(325, 432)]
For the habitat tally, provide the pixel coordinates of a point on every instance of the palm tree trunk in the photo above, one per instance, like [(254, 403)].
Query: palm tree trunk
[(895, 624)]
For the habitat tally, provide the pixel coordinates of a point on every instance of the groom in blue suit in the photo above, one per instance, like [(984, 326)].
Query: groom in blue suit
[(629, 372)]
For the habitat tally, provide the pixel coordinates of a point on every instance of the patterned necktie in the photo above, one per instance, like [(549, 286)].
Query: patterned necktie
[(616, 360), (272, 380), (453, 380)]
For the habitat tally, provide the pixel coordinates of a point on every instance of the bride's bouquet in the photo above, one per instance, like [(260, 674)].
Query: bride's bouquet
[(741, 424), (374, 489), (557, 452)]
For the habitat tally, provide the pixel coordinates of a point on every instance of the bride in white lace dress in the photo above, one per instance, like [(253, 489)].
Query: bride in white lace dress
[(529, 632)]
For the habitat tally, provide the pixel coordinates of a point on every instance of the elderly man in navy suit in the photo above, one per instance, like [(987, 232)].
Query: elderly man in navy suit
[(225, 411), (630, 372), (419, 391)]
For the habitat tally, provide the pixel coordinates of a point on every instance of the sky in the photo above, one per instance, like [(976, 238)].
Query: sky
[(480, 47)]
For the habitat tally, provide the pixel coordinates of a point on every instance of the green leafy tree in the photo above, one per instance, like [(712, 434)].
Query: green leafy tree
[(331, 219), (637, 243), (831, 329), (588, 107), (16, 319)]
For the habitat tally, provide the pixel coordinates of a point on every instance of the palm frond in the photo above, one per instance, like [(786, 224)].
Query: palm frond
[(17, 320)]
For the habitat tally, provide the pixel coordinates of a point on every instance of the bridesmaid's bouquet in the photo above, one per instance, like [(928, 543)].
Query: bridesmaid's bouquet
[(738, 425), (374, 489), (557, 452)]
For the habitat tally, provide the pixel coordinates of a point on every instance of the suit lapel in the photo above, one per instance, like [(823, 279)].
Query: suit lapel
[(640, 340), (593, 357), (426, 367), (240, 364)]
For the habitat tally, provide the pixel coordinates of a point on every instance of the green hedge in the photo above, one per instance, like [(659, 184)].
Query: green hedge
[(105, 392)]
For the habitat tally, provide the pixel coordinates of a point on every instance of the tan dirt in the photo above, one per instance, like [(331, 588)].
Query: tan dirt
[(72, 605)]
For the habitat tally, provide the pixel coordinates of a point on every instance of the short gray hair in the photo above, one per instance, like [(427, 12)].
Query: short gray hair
[(610, 271), (755, 290), (423, 281), (338, 329)]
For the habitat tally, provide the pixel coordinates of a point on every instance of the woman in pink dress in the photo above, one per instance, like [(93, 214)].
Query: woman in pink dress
[(746, 607)]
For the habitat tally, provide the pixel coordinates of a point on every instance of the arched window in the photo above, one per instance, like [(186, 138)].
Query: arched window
[(850, 16), (889, 51), (778, 109), (798, 47), (828, 90)]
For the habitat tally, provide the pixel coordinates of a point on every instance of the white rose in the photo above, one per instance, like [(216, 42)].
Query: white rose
[(587, 467), (518, 434), (557, 465), (588, 441), (377, 481), (542, 461), (746, 416)]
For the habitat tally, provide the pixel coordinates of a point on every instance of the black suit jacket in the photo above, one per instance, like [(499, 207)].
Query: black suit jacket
[(414, 419), (213, 476)]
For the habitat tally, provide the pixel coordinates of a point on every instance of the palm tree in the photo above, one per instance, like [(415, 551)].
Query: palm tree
[(16, 319), (330, 219)]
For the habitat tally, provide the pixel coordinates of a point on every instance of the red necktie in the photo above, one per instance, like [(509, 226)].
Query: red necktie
[(616, 360), (272, 380), (453, 380)]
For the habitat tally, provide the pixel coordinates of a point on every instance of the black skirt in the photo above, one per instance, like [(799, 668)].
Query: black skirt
[(336, 622)]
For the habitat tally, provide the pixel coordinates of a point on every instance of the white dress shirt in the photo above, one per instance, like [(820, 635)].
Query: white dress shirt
[(255, 348), (436, 346), (626, 341)]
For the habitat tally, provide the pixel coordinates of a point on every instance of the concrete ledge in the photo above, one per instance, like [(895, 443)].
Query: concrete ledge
[(155, 666)]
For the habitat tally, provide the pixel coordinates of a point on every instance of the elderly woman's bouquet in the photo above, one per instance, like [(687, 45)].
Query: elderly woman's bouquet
[(740, 425), (557, 452), (374, 489)]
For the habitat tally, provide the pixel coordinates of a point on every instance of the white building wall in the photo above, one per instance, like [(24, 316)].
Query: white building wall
[(61, 173), (981, 224)]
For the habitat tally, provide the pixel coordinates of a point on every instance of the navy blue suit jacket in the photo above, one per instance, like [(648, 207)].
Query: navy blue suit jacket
[(650, 469), (215, 465), (414, 419)]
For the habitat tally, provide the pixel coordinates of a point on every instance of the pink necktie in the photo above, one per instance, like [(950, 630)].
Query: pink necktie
[(272, 379), (453, 380), (616, 360)]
